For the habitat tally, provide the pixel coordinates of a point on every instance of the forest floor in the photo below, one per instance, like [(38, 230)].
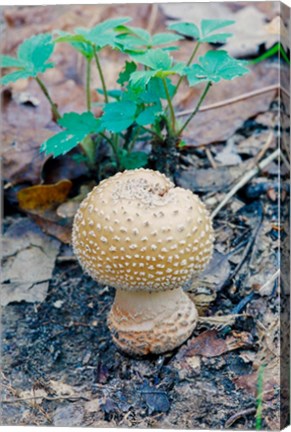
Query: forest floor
[(59, 365)]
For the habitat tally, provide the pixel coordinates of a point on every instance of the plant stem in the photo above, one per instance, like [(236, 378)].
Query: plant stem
[(172, 112), (260, 398), (208, 85), (114, 145), (89, 147), (54, 107), (132, 142), (151, 132), (194, 52), (101, 76), (88, 79)]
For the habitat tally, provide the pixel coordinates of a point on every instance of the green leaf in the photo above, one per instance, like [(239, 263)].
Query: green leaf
[(208, 26), (87, 40), (217, 38), (115, 94), (133, 160), (77, 126), (205, 34), (155, 90), (165, 38), (135, 38), (78, 42), (14, 76), (182, 144), (102, 34), (85, 122), (141, 78), (8, 61), (215, 66), (61, 143), (118, 116), (112, 23), (124, 75), (186, 29), (155, 59), (32, 57), (35, 52), (148, 116)]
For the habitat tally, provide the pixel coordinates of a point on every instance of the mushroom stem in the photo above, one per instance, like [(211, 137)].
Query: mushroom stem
[(151, 322)]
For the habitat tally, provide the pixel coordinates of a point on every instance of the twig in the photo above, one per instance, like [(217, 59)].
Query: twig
[(32, 398), (244, 301), (285, 161), (234, 99), (245, 179), (271, 280), (210, 158), (249, 245), (263, 150), (238, 415), (152, 18)]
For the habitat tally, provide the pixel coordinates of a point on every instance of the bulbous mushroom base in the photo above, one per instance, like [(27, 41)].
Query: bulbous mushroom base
[(142, 323)]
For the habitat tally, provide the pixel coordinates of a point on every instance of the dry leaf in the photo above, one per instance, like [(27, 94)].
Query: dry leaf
[(29, 259), (210, 179), (44, 197), (209, 344), (68, 416), (55, 226), (248, 42), (93, 405), (38, 393), (22, 161), (271, 382), (62, 389), (229, 155), (195, 12)]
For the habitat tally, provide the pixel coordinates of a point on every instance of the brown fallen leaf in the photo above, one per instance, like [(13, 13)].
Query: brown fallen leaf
[(271, 382), (203, 289), (43, 197), (229, 155), (68, 209), (21, 158), (195, 12), (210, 179), (41, 201), (245, 42), (209, 344), (29, 259), (53, 225)]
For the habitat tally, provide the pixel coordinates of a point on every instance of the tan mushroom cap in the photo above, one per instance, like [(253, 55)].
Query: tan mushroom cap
[(136, 231)]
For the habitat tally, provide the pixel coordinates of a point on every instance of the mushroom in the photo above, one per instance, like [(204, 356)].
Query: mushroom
[(138, 233)]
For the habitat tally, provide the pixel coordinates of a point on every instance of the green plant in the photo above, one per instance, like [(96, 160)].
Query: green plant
[(260, 397), (141, 107)]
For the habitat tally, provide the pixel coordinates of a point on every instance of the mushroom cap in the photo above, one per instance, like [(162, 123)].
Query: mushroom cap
[(136, 231)]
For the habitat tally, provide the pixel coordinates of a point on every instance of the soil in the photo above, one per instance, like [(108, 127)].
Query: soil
[(59, 364), (65, 340)]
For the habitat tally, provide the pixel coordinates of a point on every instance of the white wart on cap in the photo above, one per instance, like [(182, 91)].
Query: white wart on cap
[(138, 233)]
